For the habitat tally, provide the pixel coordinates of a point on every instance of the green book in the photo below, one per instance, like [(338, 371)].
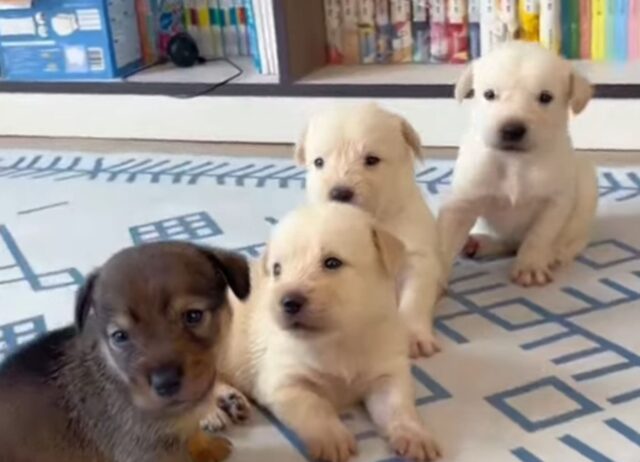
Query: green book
[(571, 29)]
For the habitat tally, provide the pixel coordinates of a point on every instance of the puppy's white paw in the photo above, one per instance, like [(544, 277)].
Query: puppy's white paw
[(331, 443), (232, 407), (422, 342), (412, 441), (529, 272)]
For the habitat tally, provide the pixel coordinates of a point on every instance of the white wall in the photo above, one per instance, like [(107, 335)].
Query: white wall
[(606, 124)]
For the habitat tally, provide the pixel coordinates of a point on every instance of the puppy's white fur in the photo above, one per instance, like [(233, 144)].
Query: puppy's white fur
[(347, 344), (342, 138), (534, 197)]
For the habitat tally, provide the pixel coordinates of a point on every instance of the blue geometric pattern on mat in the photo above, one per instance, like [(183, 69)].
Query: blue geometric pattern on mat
[(542, 315), (191, 227), (501, 402), (429, 391), (628, 254), (17, 333), (622, 186), (20, 270)]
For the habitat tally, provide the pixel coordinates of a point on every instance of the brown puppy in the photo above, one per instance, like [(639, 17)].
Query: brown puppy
[(133, 379)]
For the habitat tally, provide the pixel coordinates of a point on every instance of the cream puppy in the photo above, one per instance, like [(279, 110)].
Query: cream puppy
[(517, 177), (365, 156), (320, 333)]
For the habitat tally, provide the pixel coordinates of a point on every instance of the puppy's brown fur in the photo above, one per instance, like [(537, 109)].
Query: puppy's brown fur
[(99, 392)]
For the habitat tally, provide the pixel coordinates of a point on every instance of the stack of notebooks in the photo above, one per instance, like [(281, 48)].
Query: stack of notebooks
[(221, 28), (455, 31)]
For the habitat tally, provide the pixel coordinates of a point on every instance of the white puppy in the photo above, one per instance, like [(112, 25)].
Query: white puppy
[(365, 156), (320, 333), (517, 177)]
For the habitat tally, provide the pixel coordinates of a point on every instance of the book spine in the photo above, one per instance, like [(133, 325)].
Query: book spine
[(529, 14), (585, 29), (457, 31), (598, 29), (474, 29), (420, 26), (621, 30), (243, 37), (254, 36), (488, 20), (205, 35), (229, 31), (367, 31), (271, 36), (333, 16), (384, 32), (402, 37), (350, 40), (439, 50), (550, 28), (215, 24), (634, 29)]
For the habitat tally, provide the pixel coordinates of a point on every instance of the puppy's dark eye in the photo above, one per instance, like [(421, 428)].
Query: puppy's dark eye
[(119, 338), (193, 318), (332, 263), (277, 269), (371, 160), (318, 162), (545, 97), (490, 95)]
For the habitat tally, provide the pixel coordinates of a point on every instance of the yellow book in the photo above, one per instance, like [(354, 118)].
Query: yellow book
[(598, 29), (529, 13)]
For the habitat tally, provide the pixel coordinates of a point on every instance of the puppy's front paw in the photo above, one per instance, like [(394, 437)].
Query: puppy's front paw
[(204, 448), (532, 272), (422, 342), (232, 407), (331, 443), (412, 441)]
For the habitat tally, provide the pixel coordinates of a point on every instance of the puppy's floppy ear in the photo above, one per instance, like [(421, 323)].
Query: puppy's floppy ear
[(84, 300), (411, 137), (391, 250), (580, 92), (234, 267), (299, 153), (464, 84)]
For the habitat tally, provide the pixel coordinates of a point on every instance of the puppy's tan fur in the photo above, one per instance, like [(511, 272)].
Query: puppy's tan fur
[(535, 197), (347, 344), (343, 139)]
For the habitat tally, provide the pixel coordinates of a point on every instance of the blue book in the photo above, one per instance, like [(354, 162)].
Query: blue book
[(254, 46), (621, 30)]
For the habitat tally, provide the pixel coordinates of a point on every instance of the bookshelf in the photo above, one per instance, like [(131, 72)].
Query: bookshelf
[(305, 82)]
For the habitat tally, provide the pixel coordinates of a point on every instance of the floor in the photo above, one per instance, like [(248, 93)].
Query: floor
[(549, 374)]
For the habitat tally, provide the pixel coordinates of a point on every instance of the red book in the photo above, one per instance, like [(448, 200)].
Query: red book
[(585, 29)]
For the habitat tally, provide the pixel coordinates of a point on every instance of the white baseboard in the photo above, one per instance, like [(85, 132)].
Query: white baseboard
[(612, 124)]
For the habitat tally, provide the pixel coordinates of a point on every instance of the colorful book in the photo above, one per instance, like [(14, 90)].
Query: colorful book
[(384, 32), (229, 28), (350, 39), (367, 31), (474, 29), (439, 52), (402, 42), (550, 25), (420, 26), (271, 37), (570, 12), (333, 27), (508, 16), (457, 31), (252, 30), (585, 29), (215, 24), (489, 10), (598, 29), (529, 14), (147, 15), (634, 29), (620, 48), (243, 37), (205, 34)]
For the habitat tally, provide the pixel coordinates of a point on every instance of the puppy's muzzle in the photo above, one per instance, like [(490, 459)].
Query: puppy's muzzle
[(512, 134), (166, 380), (341, 194)]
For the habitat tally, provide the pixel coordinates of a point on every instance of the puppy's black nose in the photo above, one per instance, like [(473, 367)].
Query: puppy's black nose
[(341, 194), (293, 302), (512, 132), (166, 380)]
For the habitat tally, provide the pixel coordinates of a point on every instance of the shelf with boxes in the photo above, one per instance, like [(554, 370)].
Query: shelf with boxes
[(304, 46)]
